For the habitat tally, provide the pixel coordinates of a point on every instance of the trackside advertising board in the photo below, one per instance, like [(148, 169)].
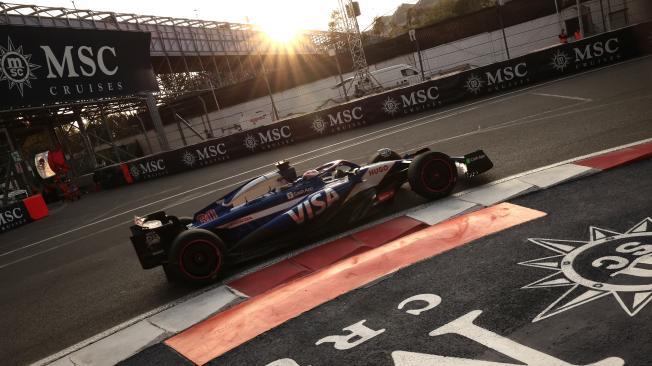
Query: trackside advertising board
[(13, 216), (551, 63), (41, 65)]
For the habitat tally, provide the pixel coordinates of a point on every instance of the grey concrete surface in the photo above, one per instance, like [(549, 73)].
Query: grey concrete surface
[(75, 274)]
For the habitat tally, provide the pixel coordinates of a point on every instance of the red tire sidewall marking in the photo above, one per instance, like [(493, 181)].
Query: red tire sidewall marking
[(450, 174), (218, 255)]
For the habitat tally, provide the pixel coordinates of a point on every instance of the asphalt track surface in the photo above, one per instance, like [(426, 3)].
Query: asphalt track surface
[(75, 274), (482, 283)]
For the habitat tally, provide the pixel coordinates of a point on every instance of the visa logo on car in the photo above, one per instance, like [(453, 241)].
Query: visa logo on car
[(313, 206)]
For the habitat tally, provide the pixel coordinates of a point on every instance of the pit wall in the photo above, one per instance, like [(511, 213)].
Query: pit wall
[(548, 64)]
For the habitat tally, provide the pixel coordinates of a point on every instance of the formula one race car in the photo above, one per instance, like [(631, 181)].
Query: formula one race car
[(279, 208)]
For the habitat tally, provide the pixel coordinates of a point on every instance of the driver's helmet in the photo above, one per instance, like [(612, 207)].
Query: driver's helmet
[(310, 174)]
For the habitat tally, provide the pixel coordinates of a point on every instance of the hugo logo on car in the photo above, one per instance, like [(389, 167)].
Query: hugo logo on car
[(314, 206), (378, 170)]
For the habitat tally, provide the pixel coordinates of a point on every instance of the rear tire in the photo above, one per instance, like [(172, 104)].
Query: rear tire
[(432, 175), (185, 221), (170, 274), (196, 256)]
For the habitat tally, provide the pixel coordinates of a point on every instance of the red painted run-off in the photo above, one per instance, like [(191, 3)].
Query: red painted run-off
[(619, 157), (325, 255), (241, 323), (36, 207)]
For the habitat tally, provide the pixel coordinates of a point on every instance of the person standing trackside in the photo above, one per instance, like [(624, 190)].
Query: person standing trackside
[(563, 37), (578, 35)]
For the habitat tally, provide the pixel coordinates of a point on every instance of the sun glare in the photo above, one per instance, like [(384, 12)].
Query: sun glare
[(280, 32)]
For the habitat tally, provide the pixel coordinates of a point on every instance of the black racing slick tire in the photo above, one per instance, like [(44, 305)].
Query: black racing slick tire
[(196, 256), (185, 221), (385, 155), (432, 175), (170, 273)]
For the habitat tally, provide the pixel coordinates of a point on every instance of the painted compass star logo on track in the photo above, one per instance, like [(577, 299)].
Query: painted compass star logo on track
[(610, 263), (16, 67)]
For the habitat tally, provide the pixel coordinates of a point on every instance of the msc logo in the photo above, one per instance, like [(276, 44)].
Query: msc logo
[(88, 61), (560, 60), (340, 120), (504, 77), (148, 168), (390, 106), (15, 67), (269, 138), (319, 125), (206, 155), (415, 101), (507, 73), (10, 216), (596, 49), (420, 96), (345, 116), (313, 206)]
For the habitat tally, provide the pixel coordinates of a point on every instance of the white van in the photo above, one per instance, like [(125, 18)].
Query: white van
[(389, 77)]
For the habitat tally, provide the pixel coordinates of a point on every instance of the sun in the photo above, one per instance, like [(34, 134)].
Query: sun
[(610, 263), (279, 32)]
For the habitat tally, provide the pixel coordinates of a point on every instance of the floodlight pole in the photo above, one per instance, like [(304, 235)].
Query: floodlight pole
[(333, 53), (499, 6), (156, 121), (269, 89), (558, 16), (350, 10), (413, 37), (579, 17)]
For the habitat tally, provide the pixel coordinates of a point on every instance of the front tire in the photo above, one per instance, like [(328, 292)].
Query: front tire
[(196, 256), (432, 175)]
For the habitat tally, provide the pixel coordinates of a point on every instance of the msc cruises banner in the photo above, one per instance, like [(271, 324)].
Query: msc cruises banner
[(547, 64), (13, 215), (41, 65)]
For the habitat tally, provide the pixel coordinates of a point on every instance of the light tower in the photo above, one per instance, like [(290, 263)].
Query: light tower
[(365, 81)]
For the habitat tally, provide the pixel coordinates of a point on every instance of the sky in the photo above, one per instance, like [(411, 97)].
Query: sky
[(296, 14)]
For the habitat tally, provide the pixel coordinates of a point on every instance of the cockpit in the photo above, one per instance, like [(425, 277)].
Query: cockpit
[(286, 177)]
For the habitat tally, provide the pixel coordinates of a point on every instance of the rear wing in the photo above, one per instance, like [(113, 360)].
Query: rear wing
[(476, 163)]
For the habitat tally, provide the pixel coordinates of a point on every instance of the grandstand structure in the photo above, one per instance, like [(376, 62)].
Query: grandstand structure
[(213, 55), (178, 45)]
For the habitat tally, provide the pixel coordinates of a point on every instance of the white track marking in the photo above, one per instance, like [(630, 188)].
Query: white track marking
[(21, 259), (137, 200), (462, 109), (525, 120), (563, 97)]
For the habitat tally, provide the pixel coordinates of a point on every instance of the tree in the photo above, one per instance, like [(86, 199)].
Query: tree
[(462, 7), (379, 27), (336, 37)]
